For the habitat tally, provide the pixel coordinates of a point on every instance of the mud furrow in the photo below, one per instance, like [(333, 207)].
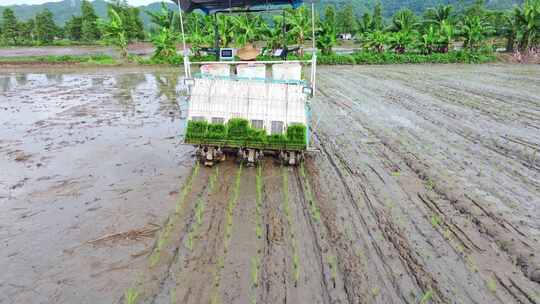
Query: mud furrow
[(423, 175), (388, 269)]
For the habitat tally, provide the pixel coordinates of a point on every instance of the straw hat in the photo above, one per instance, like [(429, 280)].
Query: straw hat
[(248, 52)]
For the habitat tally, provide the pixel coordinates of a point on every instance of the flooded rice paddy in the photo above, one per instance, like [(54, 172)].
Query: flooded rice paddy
[(425, 189)]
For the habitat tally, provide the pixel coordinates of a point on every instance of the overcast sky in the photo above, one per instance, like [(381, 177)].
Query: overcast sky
[(9, 2)]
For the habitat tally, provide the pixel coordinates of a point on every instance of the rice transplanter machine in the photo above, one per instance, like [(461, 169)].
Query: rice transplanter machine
[(248, 108)]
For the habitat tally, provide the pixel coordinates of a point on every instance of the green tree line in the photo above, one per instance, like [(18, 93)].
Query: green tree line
[(434, 31), (83, 28)]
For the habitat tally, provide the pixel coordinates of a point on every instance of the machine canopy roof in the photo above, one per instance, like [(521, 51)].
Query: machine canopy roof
[(210, 6)]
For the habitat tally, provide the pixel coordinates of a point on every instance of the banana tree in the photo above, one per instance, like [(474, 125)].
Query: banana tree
[(326, 37), (401, 41), (429, 40), (299, 26), (474, 30), (273, 34), (446, 34), (164, 18), (114, 32), (528, 24), (376, 41), (246, 29)]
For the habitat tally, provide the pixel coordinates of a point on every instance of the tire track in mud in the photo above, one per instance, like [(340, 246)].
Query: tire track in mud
[(275, 281), (415, 269), (524, 296)]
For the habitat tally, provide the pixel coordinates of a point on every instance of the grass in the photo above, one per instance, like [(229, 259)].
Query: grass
[(53, 59)]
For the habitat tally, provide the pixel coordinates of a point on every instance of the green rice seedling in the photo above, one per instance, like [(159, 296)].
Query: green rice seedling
[(187, 187), (332, 262), (256, 136), (428, 295), (237, 129), (296, 134), (173, 296), (196, 129), (436, 221), (255, 271), (217, 131), (189, 241), (131, 295), (314, 210), (199, 210), (491, 285), (213, 179)]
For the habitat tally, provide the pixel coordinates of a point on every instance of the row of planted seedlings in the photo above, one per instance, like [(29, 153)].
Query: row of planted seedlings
[(256, 260), (135, 294), (237, 132), (290, 223), (200, 207), (231, 206)]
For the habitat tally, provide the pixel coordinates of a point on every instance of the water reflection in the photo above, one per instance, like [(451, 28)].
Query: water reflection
[(125, 85), (167, 87)]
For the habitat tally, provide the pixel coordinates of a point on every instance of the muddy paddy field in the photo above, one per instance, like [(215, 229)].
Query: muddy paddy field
[(426, 189)]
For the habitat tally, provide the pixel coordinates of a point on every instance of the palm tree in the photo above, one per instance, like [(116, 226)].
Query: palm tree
[(404, 20), (366, 24), (299, 24), (438, 14)]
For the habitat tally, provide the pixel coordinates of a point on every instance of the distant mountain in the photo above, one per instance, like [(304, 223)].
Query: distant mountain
[(63, 10)]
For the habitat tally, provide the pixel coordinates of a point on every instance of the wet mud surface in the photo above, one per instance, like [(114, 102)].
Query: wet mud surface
[(425, 189), (134, 48)]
